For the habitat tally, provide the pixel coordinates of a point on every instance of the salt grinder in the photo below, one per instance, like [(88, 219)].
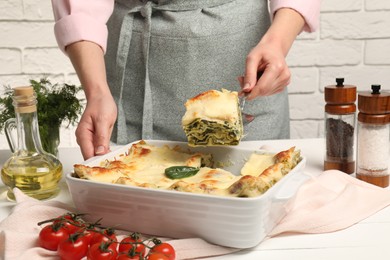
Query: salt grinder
[(373, 137), (340, 120)]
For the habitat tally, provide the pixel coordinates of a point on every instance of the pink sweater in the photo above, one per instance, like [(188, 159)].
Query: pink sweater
[(77, 20)]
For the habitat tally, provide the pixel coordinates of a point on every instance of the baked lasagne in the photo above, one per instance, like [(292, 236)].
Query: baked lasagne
[(213, 118), (172, 168)]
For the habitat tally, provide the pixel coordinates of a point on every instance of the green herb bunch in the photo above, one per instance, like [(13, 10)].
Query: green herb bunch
[(57, 104)]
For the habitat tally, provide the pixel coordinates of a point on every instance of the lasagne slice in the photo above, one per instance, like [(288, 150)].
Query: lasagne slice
[(213, 118)]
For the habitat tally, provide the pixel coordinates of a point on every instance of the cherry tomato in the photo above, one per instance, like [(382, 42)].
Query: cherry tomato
[(132, 243), (73, 248), (102, 251), (157, 256), (88, 235), (106, 236), (70, 222), (51, 235), (163, 248)]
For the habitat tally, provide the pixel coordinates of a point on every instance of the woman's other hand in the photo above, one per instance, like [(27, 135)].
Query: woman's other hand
[(269, 55)]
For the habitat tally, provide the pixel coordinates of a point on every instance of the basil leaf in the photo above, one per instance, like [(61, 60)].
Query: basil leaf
[(180, 172)]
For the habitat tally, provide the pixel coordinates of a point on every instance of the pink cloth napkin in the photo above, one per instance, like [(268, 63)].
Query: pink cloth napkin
[(330, 202), (327, 203)]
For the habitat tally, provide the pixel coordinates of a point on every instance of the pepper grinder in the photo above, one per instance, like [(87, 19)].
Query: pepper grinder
[(340, 120), (373, 137)]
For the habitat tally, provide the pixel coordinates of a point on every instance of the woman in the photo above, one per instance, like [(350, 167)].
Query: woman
[(162, 52)]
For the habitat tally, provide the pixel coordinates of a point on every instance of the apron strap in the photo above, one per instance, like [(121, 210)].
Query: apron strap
[(147, 119), (121, 61)]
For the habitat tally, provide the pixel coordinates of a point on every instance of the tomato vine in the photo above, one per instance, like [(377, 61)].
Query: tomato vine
[(74, 238)]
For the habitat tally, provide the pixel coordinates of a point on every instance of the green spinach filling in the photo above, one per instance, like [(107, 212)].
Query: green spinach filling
[(203, 132)]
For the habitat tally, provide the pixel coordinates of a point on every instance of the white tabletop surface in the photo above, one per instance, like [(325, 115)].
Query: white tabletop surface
[(368, 240)]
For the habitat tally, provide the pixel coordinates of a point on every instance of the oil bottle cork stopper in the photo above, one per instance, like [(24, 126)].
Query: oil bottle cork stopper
[(24, 91), (24, 99)]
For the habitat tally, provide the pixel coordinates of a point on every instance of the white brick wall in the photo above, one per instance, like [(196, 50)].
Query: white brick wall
[(353, 42), (28, 49)]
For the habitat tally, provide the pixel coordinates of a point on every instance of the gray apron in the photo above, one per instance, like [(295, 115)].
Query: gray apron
[(161, 53)]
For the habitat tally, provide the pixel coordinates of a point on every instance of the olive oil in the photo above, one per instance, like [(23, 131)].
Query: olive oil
[(35, 176), (32, 170)]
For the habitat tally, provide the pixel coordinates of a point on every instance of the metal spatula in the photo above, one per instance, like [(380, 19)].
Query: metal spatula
[(247, 118)]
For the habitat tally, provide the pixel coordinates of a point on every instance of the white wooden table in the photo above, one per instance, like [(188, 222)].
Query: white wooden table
[(367, 240)]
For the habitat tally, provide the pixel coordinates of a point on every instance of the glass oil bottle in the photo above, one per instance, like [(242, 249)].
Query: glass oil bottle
[(30, 169)]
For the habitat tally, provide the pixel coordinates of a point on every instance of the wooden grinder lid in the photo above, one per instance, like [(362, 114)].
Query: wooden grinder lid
[(340, 98), (340, 93), (374, 106), (374, 102)]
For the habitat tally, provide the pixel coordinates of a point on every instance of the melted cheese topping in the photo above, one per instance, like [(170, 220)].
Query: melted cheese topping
[(141, 158), (213, 105), (257, 163), (144, 156), (218, 178)]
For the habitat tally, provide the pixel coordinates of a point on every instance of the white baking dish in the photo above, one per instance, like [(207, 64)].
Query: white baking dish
[(226, 221)]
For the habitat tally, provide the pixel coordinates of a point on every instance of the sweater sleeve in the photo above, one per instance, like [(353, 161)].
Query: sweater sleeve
[(78, 20), (309, 9)]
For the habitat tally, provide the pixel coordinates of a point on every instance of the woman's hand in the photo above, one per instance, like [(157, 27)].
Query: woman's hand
[(269, 59), (268, 56), (95, 127)]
